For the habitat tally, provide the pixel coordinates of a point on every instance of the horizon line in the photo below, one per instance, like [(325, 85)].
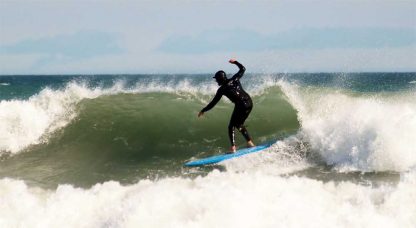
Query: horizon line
[(127, 74)]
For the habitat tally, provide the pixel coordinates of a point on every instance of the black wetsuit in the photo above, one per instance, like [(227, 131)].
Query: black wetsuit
[(232, 89)]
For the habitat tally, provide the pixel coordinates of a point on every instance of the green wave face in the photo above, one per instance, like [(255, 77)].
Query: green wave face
[(127, 137)]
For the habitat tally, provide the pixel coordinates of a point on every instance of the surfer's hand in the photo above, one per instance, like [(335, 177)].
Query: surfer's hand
[(200, 114), (232, 61)]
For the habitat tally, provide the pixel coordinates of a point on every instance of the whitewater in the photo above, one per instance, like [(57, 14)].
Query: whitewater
[(109, 152)]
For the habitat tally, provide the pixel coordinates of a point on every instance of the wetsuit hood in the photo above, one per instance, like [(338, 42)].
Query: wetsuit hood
[(220, 77)]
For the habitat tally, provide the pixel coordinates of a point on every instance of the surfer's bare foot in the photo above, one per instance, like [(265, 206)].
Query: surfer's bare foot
[(232, 150), (250, 144)]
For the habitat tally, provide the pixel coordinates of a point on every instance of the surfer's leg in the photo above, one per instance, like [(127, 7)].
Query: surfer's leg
[(243, 114), (238, 118), (246, 135), (231, 128), (244, 132), (231, 135)]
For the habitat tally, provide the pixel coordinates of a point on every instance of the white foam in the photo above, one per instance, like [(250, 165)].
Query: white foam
[(357, 132), (283, 157), (226, 199)]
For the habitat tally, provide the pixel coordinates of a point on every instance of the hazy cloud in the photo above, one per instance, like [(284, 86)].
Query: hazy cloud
[(54, 37), (245, 40), (83, 44)]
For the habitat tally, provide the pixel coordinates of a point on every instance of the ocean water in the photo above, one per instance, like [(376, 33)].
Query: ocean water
[(108, 151)]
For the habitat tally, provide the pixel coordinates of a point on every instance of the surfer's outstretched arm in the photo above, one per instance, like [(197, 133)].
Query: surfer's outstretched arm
[(211, 104), (240, 73)]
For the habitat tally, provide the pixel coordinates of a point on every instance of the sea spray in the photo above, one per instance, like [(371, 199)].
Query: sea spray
[(284, 156), (357, 132)]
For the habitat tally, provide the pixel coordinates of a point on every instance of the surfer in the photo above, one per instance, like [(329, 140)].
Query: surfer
[(232, 89)]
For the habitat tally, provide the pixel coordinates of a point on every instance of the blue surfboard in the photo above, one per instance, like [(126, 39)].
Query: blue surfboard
[(223, 157)]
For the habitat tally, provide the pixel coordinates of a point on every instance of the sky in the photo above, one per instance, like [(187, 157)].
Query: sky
[(175, 37)]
